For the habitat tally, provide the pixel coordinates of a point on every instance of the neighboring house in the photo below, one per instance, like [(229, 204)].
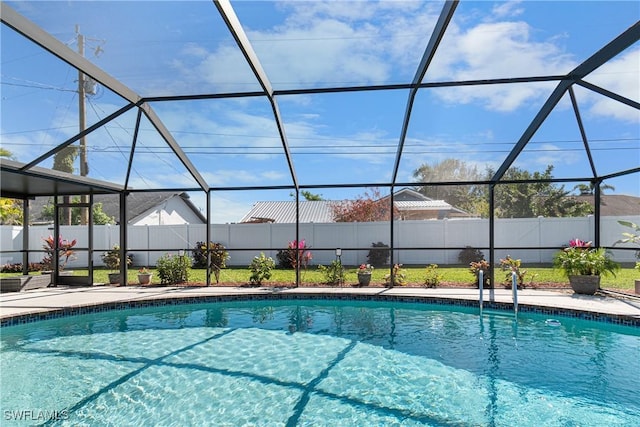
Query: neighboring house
[(157, 208), (285, 212), (163, 208), (614, 204), (413, 205), (410, 204)]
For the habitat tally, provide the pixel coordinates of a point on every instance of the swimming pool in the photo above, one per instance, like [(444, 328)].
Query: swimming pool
[(269, 363)]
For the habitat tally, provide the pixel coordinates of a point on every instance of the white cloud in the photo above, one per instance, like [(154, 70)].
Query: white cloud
[(620, 76), (506, 9), (344, 43), (548, 154), (240, 177), (497, 50), (326, 51), (319, 43)]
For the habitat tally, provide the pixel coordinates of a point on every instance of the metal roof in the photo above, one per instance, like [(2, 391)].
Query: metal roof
[(320, 211), (18, 182), (422, 205), (285, 212)]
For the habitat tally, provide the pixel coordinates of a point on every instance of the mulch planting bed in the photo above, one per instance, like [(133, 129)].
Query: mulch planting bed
[(560, 287)]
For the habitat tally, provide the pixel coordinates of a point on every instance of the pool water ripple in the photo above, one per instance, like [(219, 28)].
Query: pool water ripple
[(310, 363)]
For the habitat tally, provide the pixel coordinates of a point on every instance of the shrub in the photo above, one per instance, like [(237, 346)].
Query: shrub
[(334, 273), (17, 267), (173, 269), (470, 254), (199, 254), (511, 265), (111, 258), (261, 267), (219, 257), (398, 276), (432, 278), (287, 257), (476, 267), (631, 237), (379, 255)]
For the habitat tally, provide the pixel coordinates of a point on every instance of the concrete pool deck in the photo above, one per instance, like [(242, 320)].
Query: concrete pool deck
[(52, 300)]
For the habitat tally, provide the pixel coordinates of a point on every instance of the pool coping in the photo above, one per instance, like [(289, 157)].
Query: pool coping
[(37, 305)]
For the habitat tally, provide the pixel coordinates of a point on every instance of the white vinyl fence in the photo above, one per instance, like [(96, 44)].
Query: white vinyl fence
[(244, 241)]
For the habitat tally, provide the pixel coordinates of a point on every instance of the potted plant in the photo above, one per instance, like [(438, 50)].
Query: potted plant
[(364, 274), (144, 276), (584, 265), (111, 260), (632, 237)]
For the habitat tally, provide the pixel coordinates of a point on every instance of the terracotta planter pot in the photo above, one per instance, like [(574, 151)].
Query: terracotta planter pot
[(144, 279), (637, 281), (114, 278), (586, 285)]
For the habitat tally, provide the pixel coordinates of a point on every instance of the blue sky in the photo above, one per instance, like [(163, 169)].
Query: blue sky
[(169, 48)]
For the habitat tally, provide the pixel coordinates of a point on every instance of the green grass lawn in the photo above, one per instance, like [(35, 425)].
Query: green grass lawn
[(415, 275), (239, 275)]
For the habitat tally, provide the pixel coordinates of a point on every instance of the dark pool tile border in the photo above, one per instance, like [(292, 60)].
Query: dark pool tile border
[(21, 319)]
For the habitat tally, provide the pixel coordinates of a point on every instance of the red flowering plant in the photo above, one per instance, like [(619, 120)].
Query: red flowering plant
[(365, 269), (65, 252), (577, 243), (287, 257), (581, 259)]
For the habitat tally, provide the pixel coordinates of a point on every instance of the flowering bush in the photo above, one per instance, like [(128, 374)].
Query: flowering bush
[(577, 243), (173, 269), (287, 257), (260, 267), (144, 270), (580, 259), (365, 269)]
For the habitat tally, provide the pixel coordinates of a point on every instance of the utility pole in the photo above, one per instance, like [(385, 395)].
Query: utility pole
[(84, 165)]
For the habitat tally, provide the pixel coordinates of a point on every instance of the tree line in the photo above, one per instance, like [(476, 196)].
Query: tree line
[(533, 196)]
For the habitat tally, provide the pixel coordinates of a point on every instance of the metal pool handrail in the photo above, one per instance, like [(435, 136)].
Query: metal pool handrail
[(480, 286), (514, 286)]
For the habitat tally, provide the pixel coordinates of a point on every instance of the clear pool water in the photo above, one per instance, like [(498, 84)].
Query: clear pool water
[(319, 363)]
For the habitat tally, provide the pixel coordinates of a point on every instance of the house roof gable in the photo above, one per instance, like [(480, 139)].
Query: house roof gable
[(137, 204)]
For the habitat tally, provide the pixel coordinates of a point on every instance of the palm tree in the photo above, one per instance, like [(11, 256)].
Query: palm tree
[(589, 189)]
